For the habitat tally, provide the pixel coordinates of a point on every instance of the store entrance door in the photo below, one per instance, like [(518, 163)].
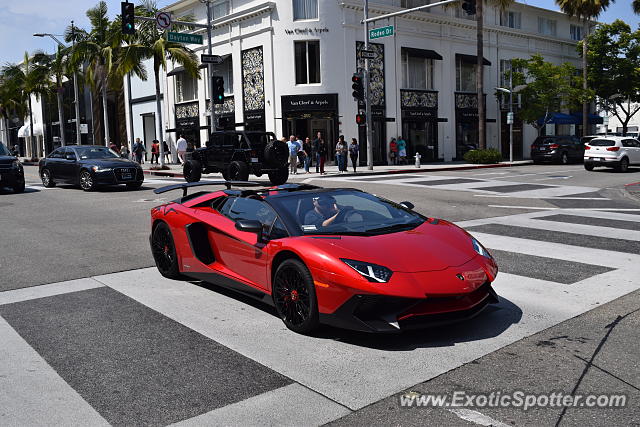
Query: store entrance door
[(422, 137), (310, 127)]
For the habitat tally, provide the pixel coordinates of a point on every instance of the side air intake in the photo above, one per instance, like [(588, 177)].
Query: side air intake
[(199, 241)]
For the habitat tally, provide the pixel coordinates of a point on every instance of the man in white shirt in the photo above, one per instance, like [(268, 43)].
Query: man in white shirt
[(181, 146), (294, 147)]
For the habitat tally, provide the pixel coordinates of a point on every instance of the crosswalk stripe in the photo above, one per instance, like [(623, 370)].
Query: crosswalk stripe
[(42, 291)]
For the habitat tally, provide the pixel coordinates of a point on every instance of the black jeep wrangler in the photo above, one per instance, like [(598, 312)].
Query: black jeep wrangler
[(236, 154)]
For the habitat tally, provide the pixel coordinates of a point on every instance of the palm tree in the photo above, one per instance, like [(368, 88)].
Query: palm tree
[(585, 10), (149, 43), (97, 48), (636, 6), (12, 103), (58, 67), (29, 78)]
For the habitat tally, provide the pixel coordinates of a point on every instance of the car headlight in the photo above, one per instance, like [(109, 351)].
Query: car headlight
[(481, 250), (100, 169), (371, 272), (15, 164)]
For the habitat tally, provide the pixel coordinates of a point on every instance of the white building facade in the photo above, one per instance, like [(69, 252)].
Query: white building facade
[(288, 68)]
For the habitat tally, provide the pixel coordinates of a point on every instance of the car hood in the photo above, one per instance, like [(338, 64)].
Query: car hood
[(6, 160), (428, 247), (110, 163)]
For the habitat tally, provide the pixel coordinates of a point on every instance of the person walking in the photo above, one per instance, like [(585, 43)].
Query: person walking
[(155, 151), (322, 155), (354, 150), (402, 151), (308, 151), (167, 152), (294, 147), (315, 144), (124, 150), (181, 147), (138, 150), (341, 154), (113, 147), (393, 151)]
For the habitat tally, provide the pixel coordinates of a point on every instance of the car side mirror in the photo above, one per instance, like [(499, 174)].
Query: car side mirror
[(407, 205), (249, 226)]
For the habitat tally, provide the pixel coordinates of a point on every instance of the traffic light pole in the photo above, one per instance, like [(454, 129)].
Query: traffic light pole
[(367, 97), (212, 117)]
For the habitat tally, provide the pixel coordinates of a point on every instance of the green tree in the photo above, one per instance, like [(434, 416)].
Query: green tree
[(636, 6), (97, 49), (58, 68), (549, 88), (12, 102), (149, 43), (585, 10), (27, 79), (614, 69)]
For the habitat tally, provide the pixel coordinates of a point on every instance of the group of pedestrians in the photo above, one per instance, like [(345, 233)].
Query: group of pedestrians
[(398, 151), (304, 152), (138, 152)]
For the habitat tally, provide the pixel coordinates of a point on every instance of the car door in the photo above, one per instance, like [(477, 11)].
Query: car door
[(52, 163), (67, 165), (634, 151)]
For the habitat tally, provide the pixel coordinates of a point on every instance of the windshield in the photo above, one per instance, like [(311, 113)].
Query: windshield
[(347, 212), (602, 143), (3, 150), (96, 153)]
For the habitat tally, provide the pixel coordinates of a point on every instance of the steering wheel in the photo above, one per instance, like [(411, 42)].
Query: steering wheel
[(349, 215)]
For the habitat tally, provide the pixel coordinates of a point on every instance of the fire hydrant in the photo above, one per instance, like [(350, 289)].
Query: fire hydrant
[(418, 159)]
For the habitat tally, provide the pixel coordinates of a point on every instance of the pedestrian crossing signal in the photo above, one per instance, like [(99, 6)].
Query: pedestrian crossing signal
[(127, 17), (361, 119)]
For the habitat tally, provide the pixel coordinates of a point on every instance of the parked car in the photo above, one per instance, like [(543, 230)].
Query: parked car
[(337, 256), (613, 152), (11, 172), (557, 148), (89, 166), (236, 154)]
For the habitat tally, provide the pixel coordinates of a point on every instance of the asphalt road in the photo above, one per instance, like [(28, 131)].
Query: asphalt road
[(107, 329)]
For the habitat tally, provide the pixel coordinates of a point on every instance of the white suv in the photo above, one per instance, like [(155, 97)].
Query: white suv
[(612, 151)]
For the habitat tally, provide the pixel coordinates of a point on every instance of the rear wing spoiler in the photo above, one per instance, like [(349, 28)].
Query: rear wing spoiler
[(186, 185)]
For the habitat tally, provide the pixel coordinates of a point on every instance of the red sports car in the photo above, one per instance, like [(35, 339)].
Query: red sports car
[(341, 257)]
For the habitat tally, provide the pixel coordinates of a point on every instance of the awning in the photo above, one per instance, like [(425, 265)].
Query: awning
[(593, 119), (422, 53), (471, 59), (24, 131), (175, 71), (559, 119)]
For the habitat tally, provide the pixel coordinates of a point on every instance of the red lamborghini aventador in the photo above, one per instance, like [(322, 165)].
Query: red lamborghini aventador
[(341, 257)]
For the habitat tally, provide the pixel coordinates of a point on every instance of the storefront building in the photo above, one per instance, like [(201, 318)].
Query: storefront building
[(288, 66)]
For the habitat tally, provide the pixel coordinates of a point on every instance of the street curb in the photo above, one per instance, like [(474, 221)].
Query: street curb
[(387, 172), (633, 190)]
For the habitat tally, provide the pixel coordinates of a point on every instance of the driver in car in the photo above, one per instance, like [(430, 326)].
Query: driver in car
[(324, 213)]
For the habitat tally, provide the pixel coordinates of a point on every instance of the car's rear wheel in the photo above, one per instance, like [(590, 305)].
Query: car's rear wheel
[(294, 296), (237, 171), (164, 252), (623, 166), (192, 171), (86, 181), (564, 159), (588, 166), (279, 177), (47, 180)]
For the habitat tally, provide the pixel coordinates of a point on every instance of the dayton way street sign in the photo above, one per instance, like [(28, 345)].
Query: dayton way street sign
[(184, 38), (376, 33)]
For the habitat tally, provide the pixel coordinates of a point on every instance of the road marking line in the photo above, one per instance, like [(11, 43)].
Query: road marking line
[(522, 207), (566, 209), (477, 418), (42, 291), (545, 198)]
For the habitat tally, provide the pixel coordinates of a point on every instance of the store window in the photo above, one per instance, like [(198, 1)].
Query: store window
[(186, 87), (466, 76), (417, 72), (511, 19), (307, 57), (547, 26), (305, 9), (220, 8), (576, 32)]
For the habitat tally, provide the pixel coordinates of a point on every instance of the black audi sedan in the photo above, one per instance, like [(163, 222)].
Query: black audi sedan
[(11, 172), (89, 166)]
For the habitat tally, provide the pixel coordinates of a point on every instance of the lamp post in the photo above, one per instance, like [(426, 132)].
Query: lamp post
[(75, 88)]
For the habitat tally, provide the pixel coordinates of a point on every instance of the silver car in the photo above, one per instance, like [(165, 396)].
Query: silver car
[(612, 151)]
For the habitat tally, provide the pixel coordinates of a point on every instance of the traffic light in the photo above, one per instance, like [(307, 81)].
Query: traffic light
[(361, 119), (128, 17), (357, 86), (218, 90), (469, 6)]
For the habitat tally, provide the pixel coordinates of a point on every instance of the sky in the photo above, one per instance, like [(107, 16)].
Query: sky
[(19, 19)]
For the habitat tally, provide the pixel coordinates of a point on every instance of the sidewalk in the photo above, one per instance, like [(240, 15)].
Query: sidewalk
[(176, 170)]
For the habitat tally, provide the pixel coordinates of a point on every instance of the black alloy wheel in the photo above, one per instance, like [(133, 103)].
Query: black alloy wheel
[(623, 166), (86, 181), (47, 181), (238, 171), (192, 171), (279, 177), (564, 159), (164, 252), (294, 296)]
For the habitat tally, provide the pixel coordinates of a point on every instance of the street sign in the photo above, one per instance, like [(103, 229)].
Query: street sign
[(509, 118), (376, 33), (84, 128), (211, 59), (367, 54), (163, 20), (184, 38)]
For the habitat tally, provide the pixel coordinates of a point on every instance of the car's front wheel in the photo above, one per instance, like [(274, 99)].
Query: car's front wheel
[(192, 171), (164, 252), (564, 159), (294, 296), (237, 171), (588, 166), (279, 177), (47, 180), (86, 181)]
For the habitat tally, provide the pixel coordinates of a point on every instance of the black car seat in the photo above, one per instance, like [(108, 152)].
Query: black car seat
[(304, 205)]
